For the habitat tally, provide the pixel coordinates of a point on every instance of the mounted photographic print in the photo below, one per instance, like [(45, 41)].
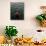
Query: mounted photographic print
[(17, 11)]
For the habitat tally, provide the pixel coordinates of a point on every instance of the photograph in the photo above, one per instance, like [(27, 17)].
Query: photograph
[(17, 11)]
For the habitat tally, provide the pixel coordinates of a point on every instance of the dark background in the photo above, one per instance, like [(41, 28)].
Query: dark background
[(19, 8)]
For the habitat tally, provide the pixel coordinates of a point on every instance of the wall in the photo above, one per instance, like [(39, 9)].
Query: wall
[(27, 26)]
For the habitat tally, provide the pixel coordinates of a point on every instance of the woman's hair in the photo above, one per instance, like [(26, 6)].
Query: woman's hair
[(42, 7)]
